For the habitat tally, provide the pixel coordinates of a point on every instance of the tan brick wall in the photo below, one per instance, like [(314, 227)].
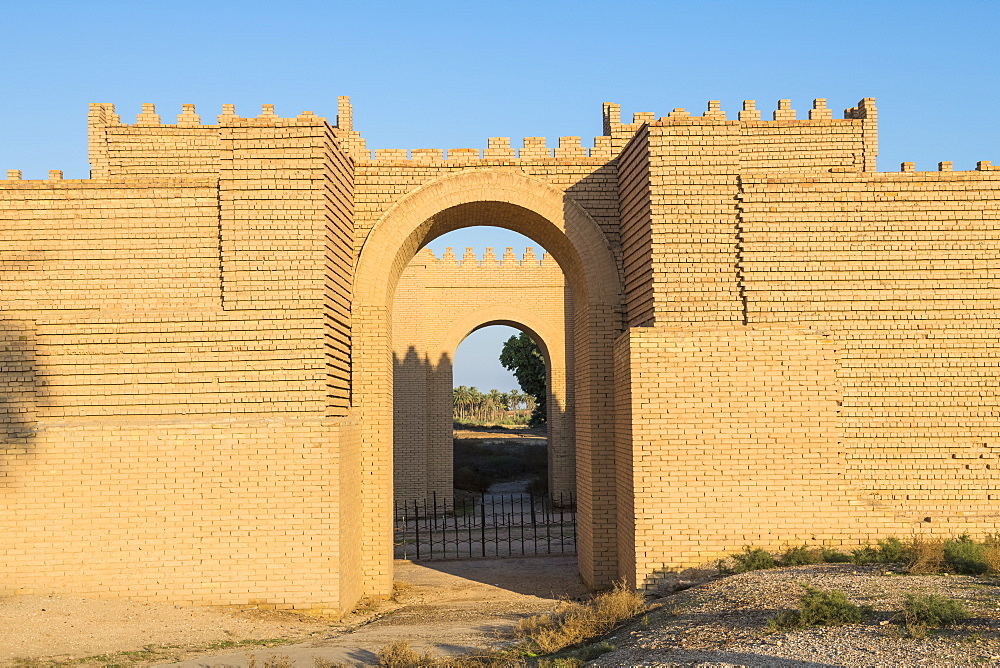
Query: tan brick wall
[(732, 439), (174, 369), (437, 303)]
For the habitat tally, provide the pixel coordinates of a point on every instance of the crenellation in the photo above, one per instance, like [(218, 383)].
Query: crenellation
[(570, 147), (448, 258), (612, 117), (228, 115), (13, 174), (391, 154), (750, 111), (819, 111), (489, 260), (784, 112), (640, 117), (463, 154), (188, 118), (345, 114), (498, 148), (55, 175), (509, 260), (148, 115), (714, 110), (945, 166), (602, 148), (534, 148), (427, 155)]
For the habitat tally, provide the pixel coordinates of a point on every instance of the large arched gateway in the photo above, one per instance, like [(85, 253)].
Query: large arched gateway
[(549, 216), (773, 343)]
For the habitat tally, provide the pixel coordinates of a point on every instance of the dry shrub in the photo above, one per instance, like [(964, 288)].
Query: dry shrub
[(399, 654), (927, 556), (992, 556), (577, 622), (272, 661), (319, 662)]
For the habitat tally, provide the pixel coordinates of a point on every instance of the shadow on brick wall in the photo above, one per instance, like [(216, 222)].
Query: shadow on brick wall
[(19, 392), (421, 425)]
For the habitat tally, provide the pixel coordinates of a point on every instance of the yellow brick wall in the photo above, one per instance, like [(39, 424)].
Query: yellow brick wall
[(174, 375), (732, 438)]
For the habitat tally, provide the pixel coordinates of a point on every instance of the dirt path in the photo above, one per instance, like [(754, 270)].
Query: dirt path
[(450, 607)]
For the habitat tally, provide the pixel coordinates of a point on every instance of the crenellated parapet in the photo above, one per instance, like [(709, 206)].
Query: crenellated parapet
[(190, 145), (785, 141), (532, 149), (471, 261)]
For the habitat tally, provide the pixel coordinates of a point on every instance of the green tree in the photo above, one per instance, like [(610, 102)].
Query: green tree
[(522, 356)]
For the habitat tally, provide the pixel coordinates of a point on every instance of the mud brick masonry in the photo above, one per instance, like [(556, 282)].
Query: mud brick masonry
[(756, 338)]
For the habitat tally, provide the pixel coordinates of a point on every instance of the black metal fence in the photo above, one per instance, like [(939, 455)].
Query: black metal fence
[(492, 525)]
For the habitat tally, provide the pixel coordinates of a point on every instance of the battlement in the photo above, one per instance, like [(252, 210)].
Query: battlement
[(865, 110), (499, 148), (947, 166), (489, 260), (104, 114)]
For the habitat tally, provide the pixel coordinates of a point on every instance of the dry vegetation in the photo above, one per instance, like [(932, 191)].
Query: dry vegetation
[(570, 627)]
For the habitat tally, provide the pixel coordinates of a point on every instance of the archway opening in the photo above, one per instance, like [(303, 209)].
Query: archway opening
[(461, 432), (441, 302), (581, 248)]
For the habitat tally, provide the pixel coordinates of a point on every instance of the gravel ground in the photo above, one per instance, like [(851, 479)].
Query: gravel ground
[(724, 623)]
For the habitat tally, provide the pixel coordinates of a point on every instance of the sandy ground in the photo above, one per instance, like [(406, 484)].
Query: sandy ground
[(450, 607)]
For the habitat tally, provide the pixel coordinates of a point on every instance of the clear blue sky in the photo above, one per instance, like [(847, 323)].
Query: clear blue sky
[(451, 74)]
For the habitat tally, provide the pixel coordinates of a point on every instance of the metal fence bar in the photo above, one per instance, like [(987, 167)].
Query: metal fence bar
[(486, 526)]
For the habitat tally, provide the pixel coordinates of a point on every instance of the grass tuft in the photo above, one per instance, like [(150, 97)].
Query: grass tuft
[(752, 559), (924, 611), (966, 556), (819, 608), (578, 622), (801, 556)]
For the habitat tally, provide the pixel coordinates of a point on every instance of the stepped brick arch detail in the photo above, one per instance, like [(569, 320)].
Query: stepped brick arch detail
[(547, 215)]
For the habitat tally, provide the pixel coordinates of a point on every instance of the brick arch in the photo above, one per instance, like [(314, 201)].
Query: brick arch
[(554, 220), (488, 197)]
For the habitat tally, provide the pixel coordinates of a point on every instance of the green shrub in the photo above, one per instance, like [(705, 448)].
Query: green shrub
[(933, 610), (889, 551), (752, 559), (831, 556), (801, 556), (820, 608), (964, 555)]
